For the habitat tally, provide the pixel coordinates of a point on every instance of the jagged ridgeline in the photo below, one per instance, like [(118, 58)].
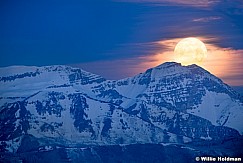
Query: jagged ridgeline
[(60, 108)]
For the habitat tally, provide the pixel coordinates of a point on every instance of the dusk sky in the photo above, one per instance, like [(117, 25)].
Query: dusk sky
[(121, 38)]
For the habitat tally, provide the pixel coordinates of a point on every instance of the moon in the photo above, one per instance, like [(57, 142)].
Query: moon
[(190, 51)]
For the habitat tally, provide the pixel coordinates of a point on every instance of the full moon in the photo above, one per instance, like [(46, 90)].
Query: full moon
[(190, 51)]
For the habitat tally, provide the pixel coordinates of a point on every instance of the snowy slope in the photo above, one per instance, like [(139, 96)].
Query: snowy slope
[(189, 89), (69, 106), (20, 82)]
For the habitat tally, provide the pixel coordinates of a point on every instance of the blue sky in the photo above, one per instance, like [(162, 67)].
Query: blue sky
[(114, 38)]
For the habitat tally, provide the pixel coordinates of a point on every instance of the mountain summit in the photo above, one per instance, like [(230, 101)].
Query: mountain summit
[(65, 106)]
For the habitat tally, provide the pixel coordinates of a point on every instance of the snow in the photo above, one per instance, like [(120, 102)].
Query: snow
[(218, 108), (14, 70), (13, 145), (131, 90), (45, 148)]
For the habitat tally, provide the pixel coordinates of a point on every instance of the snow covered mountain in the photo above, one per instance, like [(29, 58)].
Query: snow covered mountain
[(65, 106)]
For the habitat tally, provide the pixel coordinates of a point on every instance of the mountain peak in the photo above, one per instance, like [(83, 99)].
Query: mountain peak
[(172, 68), (167, 103), (176, 77), (176, 64), (168, 64)]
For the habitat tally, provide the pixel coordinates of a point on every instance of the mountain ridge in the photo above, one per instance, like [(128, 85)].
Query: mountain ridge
[(75, 106)]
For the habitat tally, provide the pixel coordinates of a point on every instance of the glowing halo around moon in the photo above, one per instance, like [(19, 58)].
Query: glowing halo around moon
[(190, 51)]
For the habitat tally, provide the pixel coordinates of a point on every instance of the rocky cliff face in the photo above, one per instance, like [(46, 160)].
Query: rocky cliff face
[(60, 105)]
